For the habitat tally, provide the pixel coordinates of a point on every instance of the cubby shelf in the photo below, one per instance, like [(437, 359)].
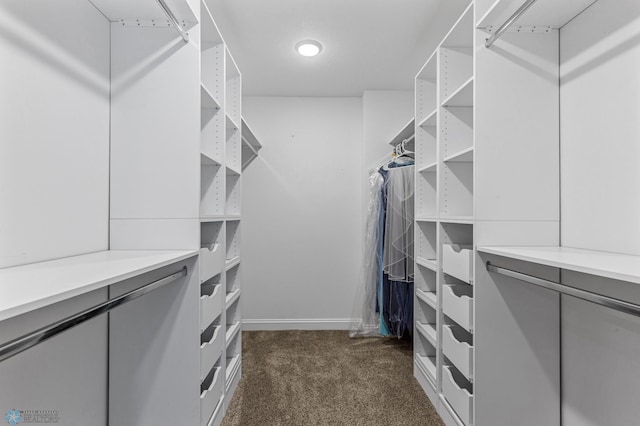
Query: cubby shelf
[(429, 168), (461, 97), (231, 171), (430, 120), (464, 220), (428, 297), (231, 298), (208, 101), (427, 263), (231, 125), (428, 364), (231, 263), (232, 366), (207, 160), (463, 156), (428, 331), (427, 219), (232, 331), (212, 218)]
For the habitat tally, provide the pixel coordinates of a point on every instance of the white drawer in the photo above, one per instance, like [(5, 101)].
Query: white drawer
[(459, 352), (211, 262), (456, 394), (457, 304), (210, 396), (457, 261), (211, 306), (210, 349)]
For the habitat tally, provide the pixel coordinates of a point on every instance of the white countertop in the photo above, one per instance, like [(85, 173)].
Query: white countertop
[(610, 265), (33, 286)]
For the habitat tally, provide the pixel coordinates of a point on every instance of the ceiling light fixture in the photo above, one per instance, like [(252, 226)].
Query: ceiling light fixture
[(308, 47)]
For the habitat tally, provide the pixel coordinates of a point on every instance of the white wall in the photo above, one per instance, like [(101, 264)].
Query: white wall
[(600, 128), (54, 130), (301, 239)]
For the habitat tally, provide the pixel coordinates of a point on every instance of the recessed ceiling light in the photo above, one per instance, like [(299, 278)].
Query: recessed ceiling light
[(308, 47)]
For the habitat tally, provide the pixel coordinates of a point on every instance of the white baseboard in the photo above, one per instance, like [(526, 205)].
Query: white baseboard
[(296, 324)]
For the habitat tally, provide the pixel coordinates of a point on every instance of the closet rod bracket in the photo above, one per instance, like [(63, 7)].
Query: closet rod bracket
[(174, 21), (508, 23)]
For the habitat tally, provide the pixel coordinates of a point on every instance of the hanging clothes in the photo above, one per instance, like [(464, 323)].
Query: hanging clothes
[(385, 296)]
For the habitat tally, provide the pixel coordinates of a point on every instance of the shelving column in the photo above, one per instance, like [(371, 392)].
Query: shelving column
[(212, 198), (456, 216), (233, 196), (426, 255)]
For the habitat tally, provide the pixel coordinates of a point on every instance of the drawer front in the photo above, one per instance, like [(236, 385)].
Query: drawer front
[(457, 305), (210, 397), (211, 262), (460, 399), (211, 307), (210, 351), (460, 353), (458, 264)]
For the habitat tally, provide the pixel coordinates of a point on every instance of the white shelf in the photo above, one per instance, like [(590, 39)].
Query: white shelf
[(231, 298), (427, 219), (212, 218), (231, 263), (233, 217), (232, 366), (428, 364), (428, 331), (231, 171), (250, 144), (208, 101), (145, 10), (464, 220), (603, 264), (231, 125), (404, 133), (461, 34), (232, 331), (429, 168), (551, 13), (462, 156), (30, 287), (428, 297), (427, 263), (207, 160), (462, 97), (209, 32), (430, 120)]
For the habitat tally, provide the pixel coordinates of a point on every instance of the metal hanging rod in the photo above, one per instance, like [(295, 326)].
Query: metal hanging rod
[(21, 344), (504, 27), (174, 21), (609, 302)]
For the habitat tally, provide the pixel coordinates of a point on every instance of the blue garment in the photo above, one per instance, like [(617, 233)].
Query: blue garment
[(384, 324)]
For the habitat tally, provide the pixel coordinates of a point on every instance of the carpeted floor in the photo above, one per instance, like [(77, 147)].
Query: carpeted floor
[(303, 378)]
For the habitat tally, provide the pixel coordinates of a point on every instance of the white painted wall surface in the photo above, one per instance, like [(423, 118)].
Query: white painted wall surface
[(54, 130), (301, 221), (600, 130)]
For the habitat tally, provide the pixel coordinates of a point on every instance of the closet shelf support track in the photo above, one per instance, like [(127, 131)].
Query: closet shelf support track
[(27, 341), (609, 302), (174, 21), (508, 23)]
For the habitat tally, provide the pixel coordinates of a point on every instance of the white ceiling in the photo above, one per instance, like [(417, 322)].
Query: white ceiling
[(367, 44)]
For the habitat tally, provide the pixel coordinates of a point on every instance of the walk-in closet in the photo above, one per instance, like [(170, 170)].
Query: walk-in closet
[(297, 212)]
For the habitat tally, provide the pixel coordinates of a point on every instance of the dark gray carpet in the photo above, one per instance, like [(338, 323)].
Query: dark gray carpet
[(325, 378)]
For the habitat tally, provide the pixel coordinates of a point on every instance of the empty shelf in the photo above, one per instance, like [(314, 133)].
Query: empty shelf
[(208, 160), (428, 297), (232, 331), (231, 125), (603, 264), (427, 219), (233, 364), (232, 263), (212, 218), (430, 120), (232, 297), (464, 156), (404, 133), (232, 171), (428, 331), (428, 364), (427, 263), (429, 168), (462, 97), (207, 100), (543, 13), (465, 220)]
